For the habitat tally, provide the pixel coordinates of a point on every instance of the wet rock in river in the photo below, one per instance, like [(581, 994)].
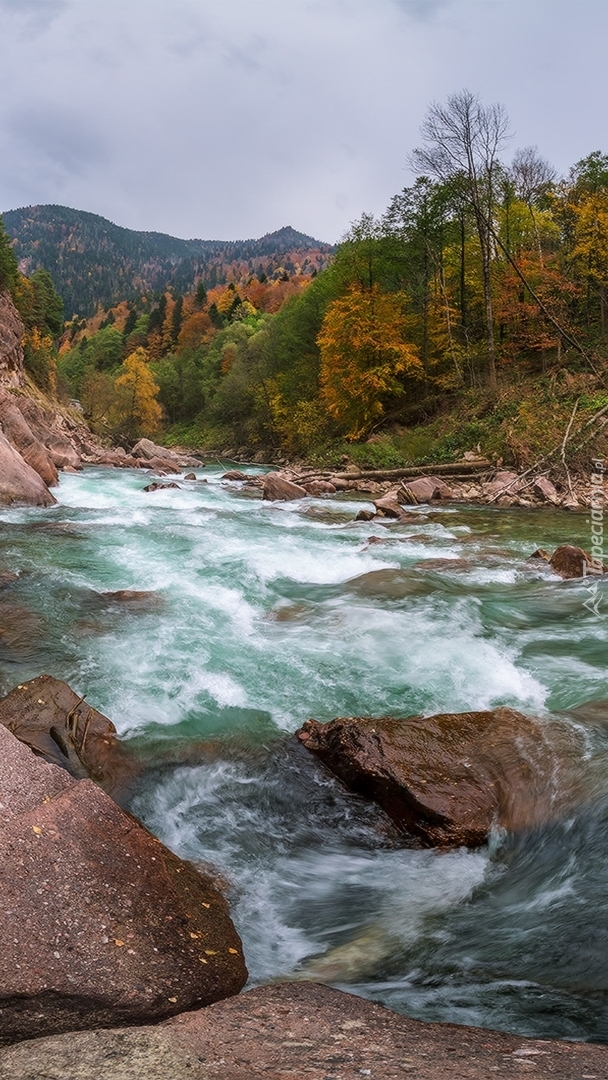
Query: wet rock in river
[(388, 506), (570, 561), (279, 488), (102, 925), (451, 778), (156, 486), (235, 474)]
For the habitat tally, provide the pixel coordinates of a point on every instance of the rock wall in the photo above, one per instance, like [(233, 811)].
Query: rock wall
[(11, 350)]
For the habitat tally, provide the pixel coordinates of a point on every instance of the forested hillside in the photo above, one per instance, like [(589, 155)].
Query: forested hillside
[(94, 262), (471, 314)]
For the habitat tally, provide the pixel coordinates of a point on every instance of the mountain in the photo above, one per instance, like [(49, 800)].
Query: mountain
[(94, 262)]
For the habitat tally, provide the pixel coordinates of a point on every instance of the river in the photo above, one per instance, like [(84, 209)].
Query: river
[(263, 615)]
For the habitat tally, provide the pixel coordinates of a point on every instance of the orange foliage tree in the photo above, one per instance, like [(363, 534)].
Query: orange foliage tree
[(363, 355)]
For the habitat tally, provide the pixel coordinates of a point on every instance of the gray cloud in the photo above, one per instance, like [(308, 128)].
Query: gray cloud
[(422, 9), (231, 119), (56, 138), (32, 17)]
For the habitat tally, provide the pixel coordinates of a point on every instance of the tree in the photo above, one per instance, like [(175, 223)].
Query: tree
[(363, 353), (136, 410), (462, 141), (8, 263)]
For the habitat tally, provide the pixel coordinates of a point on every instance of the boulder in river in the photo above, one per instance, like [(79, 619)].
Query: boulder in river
[(101, 924), (161, 487), (279, 488), (451, 778), (58, 725), (570, 561), (235, 474), (388, 506), (19, 483)]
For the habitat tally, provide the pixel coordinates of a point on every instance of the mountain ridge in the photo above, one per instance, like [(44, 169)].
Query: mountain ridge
[(94, 262)]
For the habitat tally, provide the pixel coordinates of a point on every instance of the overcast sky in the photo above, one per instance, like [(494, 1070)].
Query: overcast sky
[(226, 119)]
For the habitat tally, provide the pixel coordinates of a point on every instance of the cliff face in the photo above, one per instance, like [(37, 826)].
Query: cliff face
[(37, 436), (11, 350)]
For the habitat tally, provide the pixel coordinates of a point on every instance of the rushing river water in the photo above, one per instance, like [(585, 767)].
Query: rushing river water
[(262, 615)]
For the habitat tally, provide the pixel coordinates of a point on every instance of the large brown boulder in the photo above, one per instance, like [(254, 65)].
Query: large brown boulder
[(101, 924), (570, 561), (21, 437), (59, 726), (278, 487), (298, 1030), (450, 778), (12, 372), (19, 483)]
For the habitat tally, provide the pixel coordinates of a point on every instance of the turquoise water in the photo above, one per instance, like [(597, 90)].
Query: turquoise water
[(261, 615)]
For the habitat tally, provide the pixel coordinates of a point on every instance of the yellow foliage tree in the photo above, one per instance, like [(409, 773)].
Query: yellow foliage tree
[(363, 353), (136, 410), (591, 245)]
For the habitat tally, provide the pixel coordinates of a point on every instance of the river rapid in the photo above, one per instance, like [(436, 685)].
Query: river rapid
[(262, 615)]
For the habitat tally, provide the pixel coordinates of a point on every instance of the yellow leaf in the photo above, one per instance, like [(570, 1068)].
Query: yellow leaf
[(117, 941), (173, 1000), (235, 952), (211, 952), (202, 960), (37, 830)]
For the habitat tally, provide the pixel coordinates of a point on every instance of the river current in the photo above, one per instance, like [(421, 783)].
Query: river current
[(262, 615)]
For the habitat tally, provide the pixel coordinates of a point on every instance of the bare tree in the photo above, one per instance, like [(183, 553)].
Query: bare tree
[(463, 140), (532, 177)]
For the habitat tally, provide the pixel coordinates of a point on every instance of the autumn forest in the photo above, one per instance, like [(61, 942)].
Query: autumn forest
[(472, 313)]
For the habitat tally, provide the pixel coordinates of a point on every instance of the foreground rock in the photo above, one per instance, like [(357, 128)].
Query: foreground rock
[(102, 925), (59, 726), (451, 778), (298, 1030), (277, 487), (19, 483)]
